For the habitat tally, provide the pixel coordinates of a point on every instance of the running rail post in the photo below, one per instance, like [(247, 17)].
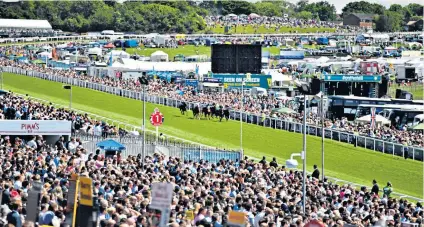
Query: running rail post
[(70, 98)]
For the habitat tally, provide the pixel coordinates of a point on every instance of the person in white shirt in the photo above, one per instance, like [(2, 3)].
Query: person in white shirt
[(98, 130), (72, 145), (32, 144)]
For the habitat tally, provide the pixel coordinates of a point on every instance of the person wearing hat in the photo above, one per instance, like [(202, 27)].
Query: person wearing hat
[(388, 189)]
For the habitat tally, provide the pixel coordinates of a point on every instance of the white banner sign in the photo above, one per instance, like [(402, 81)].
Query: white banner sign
[(34, 127), (161, 195), (131, 75)]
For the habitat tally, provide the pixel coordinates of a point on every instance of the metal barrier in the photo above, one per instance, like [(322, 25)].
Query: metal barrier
[(387, 147), (183, 151)]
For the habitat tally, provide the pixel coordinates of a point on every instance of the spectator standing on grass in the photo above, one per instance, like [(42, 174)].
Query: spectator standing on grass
[(388, 189), (375, 189), (274, 163), (315, 174)]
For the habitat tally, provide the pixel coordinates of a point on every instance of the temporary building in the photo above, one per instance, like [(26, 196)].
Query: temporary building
[(159, 56), (204, 67), (131, 43), (378, 119), (25, 24), (45, 54), (95, 51), (119, 54)]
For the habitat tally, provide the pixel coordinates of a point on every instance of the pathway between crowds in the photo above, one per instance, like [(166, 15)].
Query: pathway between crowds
[(343, 161)]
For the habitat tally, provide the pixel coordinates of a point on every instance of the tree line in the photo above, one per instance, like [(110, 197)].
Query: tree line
[(188, 16)]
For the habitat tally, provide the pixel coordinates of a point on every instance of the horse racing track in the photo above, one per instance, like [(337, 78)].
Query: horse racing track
[(342, 160)]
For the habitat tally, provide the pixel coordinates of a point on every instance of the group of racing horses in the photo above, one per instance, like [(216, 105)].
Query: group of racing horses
[(208, 111)]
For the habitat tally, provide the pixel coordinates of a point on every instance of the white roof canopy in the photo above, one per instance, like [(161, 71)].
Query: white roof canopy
[(25, 24)]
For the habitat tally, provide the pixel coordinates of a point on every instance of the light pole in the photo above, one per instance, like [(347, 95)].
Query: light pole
[(305, 90), (304, 155), (241, 115), (1, 72), (322, 134), (143, 82), (144, 123)]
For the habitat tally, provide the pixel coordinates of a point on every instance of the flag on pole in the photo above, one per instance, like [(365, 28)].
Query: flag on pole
[(373, 118)]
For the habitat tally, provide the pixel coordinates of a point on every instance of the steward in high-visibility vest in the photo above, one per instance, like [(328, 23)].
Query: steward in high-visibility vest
[(388, 189)]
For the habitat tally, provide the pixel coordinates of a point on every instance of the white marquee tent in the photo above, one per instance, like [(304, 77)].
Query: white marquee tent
[(25, 24), (159, 56), (119, 54)]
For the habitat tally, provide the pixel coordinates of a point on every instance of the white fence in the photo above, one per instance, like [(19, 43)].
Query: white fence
[(110, 37), (386, 147)]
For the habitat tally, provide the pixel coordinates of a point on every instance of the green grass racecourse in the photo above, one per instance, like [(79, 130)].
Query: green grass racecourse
[(342, 160)]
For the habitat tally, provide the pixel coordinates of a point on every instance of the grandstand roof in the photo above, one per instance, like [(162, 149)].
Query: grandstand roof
[(25, 24)]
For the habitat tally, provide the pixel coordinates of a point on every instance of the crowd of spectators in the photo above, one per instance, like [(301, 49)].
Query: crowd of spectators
[(18, 33), (266, 192), (269, 194), (274, 22), (260, 106)]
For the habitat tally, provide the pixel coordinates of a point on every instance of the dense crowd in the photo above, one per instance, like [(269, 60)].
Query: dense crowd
[(260, 106), (18, 33), (267, 193), (273, 22)]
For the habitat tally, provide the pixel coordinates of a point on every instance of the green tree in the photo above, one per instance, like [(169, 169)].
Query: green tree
[(416, 9), (237, 7), (304, 15), (363, 7), (389, 22), (396, 8), (268, 9), (324, 10)]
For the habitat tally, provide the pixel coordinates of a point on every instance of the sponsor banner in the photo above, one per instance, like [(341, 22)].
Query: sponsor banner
[(35, 127), (212, 80), (353, 78), (237, 218), (131, 75), (192, 83), (86, 191), (235, 80), (161, 196)]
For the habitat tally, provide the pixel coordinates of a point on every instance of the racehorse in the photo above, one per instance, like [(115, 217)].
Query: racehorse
[(183, 108), (196, 112), (225, 113), (206, 111)]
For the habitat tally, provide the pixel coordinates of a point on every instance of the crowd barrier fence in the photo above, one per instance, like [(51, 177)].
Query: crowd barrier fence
[(184, 151), (378, 145), (24, 40)]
